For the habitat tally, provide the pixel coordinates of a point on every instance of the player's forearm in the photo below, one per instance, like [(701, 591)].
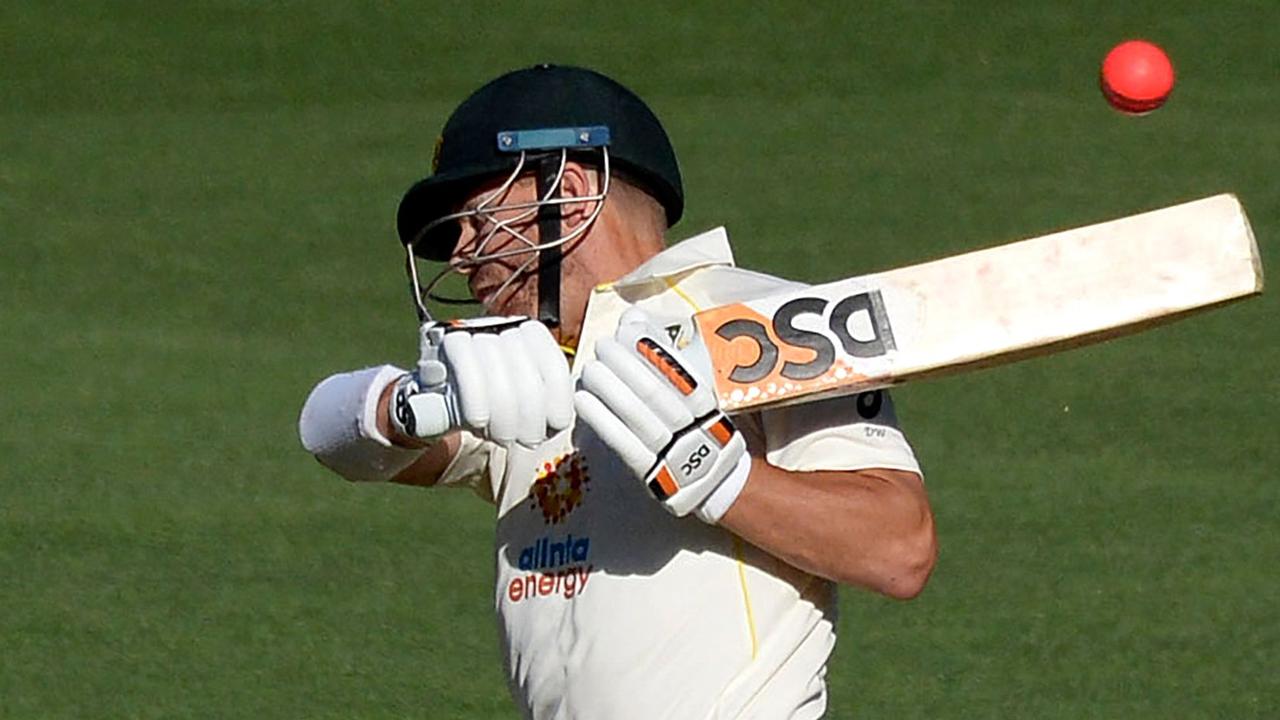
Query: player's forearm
[(870, 528)]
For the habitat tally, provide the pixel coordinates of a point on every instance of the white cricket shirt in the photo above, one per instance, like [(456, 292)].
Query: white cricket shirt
[(611, 609)]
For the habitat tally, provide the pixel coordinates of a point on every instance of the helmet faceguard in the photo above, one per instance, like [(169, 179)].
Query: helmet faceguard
[(545, 152)]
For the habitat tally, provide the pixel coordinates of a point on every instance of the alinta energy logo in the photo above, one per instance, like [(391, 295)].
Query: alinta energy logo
[(555, 566), (552, 567), (560, 487)]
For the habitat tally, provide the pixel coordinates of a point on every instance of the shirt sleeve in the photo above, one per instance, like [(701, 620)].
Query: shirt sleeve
[(847, 433)]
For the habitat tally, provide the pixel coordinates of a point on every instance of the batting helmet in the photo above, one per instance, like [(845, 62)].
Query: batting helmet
[(537, 98)]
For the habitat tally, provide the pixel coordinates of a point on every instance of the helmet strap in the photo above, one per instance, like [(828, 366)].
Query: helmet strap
[(549, 255)]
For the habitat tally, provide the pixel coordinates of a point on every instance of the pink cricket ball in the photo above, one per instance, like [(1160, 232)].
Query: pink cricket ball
[(1136, 77)]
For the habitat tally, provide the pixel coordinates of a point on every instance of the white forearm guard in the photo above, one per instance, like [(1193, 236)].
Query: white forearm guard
[(339, 425)]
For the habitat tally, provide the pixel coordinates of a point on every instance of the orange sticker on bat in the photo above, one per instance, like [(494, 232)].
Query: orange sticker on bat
[(759, 358)]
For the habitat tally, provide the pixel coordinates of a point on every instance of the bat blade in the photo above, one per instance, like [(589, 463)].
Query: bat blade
[(982, 308)]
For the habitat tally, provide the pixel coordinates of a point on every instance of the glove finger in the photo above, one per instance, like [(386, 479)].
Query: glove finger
[(459, 352), (650, 345), (527, 387), (504, 415), (659, 395), (600, 381), (548, 360), (613, 433)]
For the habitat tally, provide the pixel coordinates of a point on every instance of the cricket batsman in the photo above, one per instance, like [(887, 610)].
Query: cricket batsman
[(654, 558)]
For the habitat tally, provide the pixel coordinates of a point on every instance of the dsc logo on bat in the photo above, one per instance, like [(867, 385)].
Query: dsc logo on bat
[(801, 344)]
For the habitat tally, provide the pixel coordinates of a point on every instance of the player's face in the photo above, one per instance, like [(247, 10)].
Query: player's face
[(495, 233)]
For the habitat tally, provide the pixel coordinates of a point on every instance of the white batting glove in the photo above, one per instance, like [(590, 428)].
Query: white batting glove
[(658, 413), (504, 378)]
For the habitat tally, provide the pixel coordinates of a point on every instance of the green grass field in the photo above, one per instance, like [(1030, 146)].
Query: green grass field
[(196, 224)]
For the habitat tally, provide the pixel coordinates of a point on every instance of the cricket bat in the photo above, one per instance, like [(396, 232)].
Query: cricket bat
[(982, 308)]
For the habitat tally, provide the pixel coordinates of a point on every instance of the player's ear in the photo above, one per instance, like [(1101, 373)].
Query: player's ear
[(579, 181)]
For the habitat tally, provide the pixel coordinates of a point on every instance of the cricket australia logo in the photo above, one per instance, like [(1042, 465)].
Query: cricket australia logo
[(560, 487)]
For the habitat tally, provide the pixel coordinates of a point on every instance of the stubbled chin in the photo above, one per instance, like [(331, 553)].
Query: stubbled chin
[(512, 301), (500, 306)]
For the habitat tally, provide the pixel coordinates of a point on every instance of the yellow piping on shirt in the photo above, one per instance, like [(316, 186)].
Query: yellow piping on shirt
[(746, 596), (675, 287), (737, 541)]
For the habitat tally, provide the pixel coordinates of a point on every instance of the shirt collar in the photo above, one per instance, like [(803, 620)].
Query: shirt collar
[(702, 250)]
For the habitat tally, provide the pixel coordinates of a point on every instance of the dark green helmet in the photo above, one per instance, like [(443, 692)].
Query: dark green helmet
[(542, 97)]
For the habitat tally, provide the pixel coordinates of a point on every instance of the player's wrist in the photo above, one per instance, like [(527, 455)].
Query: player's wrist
[(726, 493), (420, 410), (387, 426), (370, 416), (340, 424)]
